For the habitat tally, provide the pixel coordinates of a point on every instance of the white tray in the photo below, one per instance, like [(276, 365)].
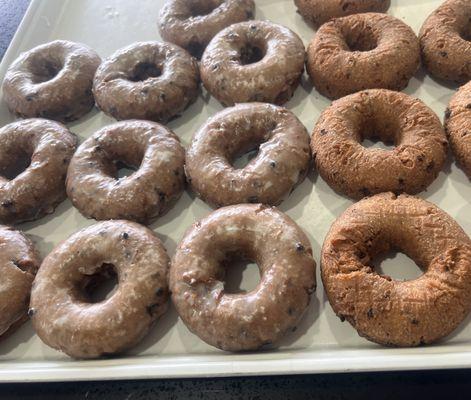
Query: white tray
[(322, 343)]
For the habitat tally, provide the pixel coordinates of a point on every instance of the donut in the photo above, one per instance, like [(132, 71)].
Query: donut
[(281, 164), (253, 61), (191, 24), (18, 265), (237, 322), (62, 310), (458, 127), (52, 81), (419, 153), (318, 12), (362, 51), (34, 156), (387, 311), (445, 41), (147, 80), (153, 150)]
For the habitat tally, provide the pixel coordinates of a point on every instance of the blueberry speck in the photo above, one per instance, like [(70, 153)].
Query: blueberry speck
[(299, 247), (31, 312), (125, 235)]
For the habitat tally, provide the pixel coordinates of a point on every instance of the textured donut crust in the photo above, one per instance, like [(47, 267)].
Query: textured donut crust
[(61, 313), (320, 11), (458, 126), (239, 322), (157, 183), (66, 97), (273, 79), (178, 25), (351, 169), (41, 186), (336, 71), (445, 53), (281, 164), (157, 98), (18, 265), (392, 312)]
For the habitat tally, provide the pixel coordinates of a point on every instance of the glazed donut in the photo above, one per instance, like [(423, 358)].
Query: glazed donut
[(253, 61), (445, 41), (362, 51), (392, 117), (458, 127), (393, 312), (237, 322), (281, 164), (18, 265), (191, 24), (155, 152), (320, 11), (52, 81), (62, 311), (147, 80), (34, 155)]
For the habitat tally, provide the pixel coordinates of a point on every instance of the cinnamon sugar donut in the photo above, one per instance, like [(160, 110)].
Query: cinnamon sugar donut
[(53, 81), (18, 265), (362, 51), (458, 126), (34, 156), (191, 24), (155, 81), (155, 152), (237, 322), (385, 310), (62, 311), (281, 164), (253, 61), (445, 41), (392, 117), (320, 11)]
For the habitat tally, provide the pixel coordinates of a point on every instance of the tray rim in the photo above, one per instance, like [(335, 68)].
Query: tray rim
[(288, 362)]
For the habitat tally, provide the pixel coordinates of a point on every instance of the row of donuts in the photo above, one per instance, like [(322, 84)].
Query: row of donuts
[(244, 62)]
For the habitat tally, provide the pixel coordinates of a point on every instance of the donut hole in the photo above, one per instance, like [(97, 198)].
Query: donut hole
[(396, 265), (16, 165), (380, 130), (44, 70), (241, 275), (242, 160), (361, 40), (124, 170), (252, 53), (203, 7), (145, 70), (101, 285)]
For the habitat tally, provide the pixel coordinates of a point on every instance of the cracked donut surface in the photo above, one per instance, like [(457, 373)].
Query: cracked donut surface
[(384, 310)]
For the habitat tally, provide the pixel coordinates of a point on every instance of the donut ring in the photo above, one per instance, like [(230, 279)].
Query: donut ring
[(18, 265), (392, 117), (445, 41), (52, 81), (147, 80), (62, 312), (362, 51), (34, 155), (191, 24), (320, 11), (236, 322), (388, 311), (156, 152), (253, 61), (281, 164), (458, 127)]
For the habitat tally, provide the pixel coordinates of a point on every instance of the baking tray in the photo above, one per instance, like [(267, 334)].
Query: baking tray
[(322, 343)]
